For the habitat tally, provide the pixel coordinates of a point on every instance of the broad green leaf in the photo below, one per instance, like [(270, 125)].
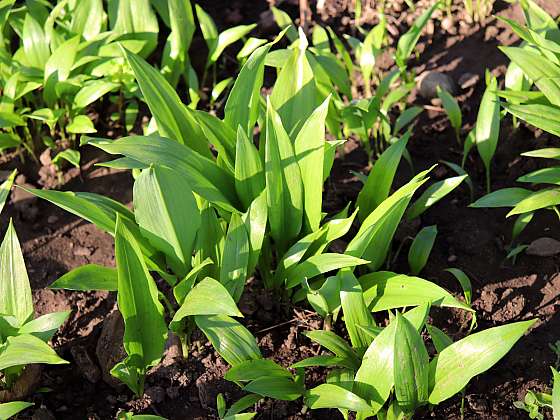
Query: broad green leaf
[(433, 194), (506, 197), (35, 44), (25, 349), (182, 288), (439, 338), (411, 366), (88, 18), (45, 326), (458, 363), (354, 309), (235, 259), (408, 41), (230, 339), (209, 31), (283, 181), (319, 264), (208, 297), (228, 37), (175, 54), (276, 387), (284, 21), (221, 136), (88, 277), (69, 155), (254, 369), (242, 404), (537, 200), (334, 396), (6, 187), (421, 247), (203, 175), (334, 343), (81, 124), (547, 153), (210, 241), (385, 290), (375, 378), (145, 330), (379, 181), (294, 95), (135, 19), (544, 117), (10, 409), (92, 92), (324, 360), (488, 125), (406, 117), (167, 213), (15, 291), (255, 220), (174, 119), (249, 47), (97, 209), (241, 107), (249, 172), (9, 141), (309, 149)]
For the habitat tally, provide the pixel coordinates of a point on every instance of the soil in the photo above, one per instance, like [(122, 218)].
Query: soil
[(475, 240)]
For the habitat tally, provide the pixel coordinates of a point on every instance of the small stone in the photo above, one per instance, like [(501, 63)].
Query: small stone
[(429, 82), (544, 247), (468, 80), (452, 258), (82, 251), (52, 219)]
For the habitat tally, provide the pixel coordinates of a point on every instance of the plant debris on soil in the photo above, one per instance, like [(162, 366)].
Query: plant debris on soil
[(473, 240)]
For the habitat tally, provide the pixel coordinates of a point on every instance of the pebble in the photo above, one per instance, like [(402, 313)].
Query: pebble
[(82, 251), (428, 83), (452, 258), (544, 247)]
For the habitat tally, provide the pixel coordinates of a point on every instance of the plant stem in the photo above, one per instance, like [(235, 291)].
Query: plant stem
[(327, 323), (488, 179)]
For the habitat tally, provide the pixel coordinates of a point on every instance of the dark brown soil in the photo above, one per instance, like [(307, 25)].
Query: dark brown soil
[(474, 240)]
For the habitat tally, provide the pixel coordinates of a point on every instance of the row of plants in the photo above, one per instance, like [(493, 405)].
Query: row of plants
[(218, 200)]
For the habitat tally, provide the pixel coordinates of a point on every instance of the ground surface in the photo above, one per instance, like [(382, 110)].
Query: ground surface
[(471, 239)]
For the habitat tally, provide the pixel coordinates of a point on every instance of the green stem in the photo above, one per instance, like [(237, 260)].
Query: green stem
[(488, 179)]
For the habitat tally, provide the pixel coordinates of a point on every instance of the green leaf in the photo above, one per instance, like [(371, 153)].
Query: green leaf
[(209, 30), (465, 282), (92, 92), (385, 290), (145, 330), (135, 19), (433, 194), (235, 259), (284, 21), (537, 200), (208, 297), (249, 172), (81, 124), (506, 197), (35, 44), (70, 155), (408, 41), (88, 18), (451, 108), (249, 47), (541, 116), (548, 153), (488, 124), (276, 387), (411, 366), (45, 326), (542, 176), (230, 339), (439, 338), (406, 117), (319, 264), (174, 120), (334, 343), (334, 396), (309, 149), (242, 404), (294, 95), (6, 187), (182, 288), (168, 219), (355, 310), (255, 220), (283, 181), (9, 141), (457, 364), (228, 37), (375, 377), (254, 369), (88, 277), (26, 349), (421, 248), (15, 291), (204, 176), (10, 409), (556, 393)]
